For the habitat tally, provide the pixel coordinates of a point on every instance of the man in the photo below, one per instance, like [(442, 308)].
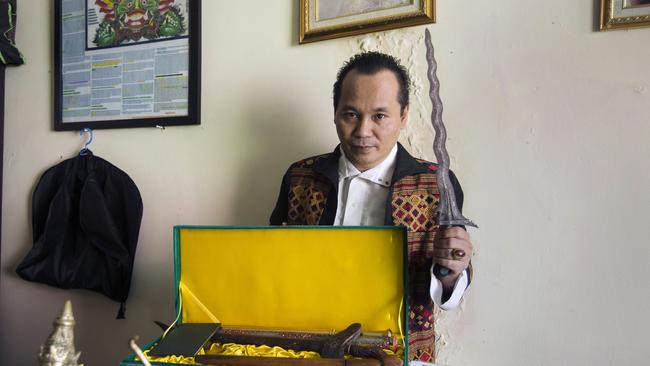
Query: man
[(370, 179)]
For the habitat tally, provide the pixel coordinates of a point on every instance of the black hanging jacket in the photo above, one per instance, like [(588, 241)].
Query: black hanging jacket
[(86, 216)]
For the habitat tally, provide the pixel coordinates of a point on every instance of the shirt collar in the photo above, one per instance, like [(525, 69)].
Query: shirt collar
[(381, 174)]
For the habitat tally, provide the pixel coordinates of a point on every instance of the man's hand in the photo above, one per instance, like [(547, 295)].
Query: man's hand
[(452, 249), (391, 361)]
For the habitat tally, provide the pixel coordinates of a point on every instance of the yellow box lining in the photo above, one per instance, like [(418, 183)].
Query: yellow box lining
[(316, 279)]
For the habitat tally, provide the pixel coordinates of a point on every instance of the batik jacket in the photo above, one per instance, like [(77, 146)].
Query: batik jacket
[(309, 196)]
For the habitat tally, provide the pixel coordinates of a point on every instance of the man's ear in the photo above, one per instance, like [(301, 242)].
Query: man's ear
[(404, 118)]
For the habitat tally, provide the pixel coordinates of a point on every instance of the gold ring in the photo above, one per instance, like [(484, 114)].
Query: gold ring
[(458, 254)]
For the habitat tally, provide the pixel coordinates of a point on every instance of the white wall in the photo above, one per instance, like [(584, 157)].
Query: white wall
[(549, 132)]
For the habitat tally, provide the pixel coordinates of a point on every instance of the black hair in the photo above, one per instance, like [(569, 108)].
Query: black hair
[(370, 63)]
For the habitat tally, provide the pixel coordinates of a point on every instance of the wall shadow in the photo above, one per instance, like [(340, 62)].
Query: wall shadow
[(295, 24), (595, 11)]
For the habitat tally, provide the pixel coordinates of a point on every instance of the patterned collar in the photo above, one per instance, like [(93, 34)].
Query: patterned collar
[(380, 174), (405, 164)]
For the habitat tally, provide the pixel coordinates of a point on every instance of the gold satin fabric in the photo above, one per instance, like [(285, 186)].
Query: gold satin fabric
[(231, 349)]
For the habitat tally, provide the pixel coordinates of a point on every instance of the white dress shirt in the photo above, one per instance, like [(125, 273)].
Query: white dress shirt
[(362, 201)]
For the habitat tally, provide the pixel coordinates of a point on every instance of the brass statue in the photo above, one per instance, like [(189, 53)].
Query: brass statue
[(58, 349)]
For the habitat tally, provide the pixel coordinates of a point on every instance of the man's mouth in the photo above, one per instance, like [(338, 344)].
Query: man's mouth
[(362, 148)]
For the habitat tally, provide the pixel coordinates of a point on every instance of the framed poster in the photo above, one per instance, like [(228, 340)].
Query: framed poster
[(622, 14), (126, 63), (327, 19)]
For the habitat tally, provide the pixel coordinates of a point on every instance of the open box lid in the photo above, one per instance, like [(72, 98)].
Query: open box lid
[(292, 277)]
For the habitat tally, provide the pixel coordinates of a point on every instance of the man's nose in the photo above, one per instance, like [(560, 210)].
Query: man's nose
[(364, 127)]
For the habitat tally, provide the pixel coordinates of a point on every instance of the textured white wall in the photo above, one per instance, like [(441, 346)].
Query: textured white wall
[(548, 129)]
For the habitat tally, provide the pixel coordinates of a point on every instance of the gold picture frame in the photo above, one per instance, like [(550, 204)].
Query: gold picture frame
[(622, 14), (328, 19)]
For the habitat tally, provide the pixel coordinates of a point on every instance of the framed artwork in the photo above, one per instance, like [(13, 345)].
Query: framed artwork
[(126, 63), (9, 54), (327, 19), (620, 14)]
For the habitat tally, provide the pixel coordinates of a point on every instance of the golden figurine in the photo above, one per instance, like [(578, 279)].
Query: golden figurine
[(58, 349)]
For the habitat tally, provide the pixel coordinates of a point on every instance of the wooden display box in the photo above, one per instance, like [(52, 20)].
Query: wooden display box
[(319, 278)]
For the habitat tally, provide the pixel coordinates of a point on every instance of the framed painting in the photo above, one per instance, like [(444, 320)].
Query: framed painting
[(621, 14), (327, 19), (126, 63)]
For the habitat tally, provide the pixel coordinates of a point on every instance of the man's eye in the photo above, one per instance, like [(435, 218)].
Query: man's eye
[(349, 115), (380, 116)]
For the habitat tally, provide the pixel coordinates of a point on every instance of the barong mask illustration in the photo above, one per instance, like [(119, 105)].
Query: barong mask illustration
[(133, 20)]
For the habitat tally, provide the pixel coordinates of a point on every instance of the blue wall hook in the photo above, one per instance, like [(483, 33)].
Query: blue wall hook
[(84, 149)]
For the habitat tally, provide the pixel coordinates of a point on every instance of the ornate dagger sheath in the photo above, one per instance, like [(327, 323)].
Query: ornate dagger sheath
[(448, 213)]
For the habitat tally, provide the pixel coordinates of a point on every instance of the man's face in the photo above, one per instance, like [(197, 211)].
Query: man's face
[(368, 117)]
